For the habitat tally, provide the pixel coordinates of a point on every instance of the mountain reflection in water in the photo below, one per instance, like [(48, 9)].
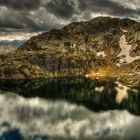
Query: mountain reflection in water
[(69, 109)]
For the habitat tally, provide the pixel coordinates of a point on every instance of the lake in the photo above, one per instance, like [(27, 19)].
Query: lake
[(73, 108)]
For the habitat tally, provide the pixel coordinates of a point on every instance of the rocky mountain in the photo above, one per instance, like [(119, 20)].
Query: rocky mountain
[(103, 46)]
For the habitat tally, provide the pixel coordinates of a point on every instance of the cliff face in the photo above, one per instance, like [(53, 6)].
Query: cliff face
[(76, 49)]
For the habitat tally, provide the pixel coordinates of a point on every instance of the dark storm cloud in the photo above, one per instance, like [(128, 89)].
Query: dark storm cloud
[(107, 6), (67, 9), (61, 8), (23, 20), (47, 14), (18, 21), (21, 4)]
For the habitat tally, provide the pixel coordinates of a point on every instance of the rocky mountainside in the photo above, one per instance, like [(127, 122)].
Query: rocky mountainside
[(104, 46)]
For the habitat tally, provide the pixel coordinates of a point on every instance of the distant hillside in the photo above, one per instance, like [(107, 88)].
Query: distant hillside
[(13, 43)]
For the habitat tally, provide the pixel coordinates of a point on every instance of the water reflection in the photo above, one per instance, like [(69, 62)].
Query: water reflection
[(96, 95), (69, 109), (36, 118)]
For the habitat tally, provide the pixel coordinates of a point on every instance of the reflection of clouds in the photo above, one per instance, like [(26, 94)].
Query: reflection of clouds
[(99, 89), (3, 129), (122, 93), (60, 119)]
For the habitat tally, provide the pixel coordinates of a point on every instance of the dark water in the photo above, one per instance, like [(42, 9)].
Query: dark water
[(69, 109)]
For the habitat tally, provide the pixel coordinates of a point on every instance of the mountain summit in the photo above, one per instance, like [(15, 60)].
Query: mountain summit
[(104, 46)]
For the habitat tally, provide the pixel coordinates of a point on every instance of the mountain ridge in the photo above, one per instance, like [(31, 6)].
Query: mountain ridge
[(105, 44)]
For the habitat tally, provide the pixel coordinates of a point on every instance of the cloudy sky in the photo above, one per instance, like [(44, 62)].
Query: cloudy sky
[(28, 17)]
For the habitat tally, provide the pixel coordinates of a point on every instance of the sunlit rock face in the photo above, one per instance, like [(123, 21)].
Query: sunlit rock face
[(76, 49)]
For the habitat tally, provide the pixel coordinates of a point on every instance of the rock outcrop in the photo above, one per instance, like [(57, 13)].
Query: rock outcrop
[(76, 49)]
